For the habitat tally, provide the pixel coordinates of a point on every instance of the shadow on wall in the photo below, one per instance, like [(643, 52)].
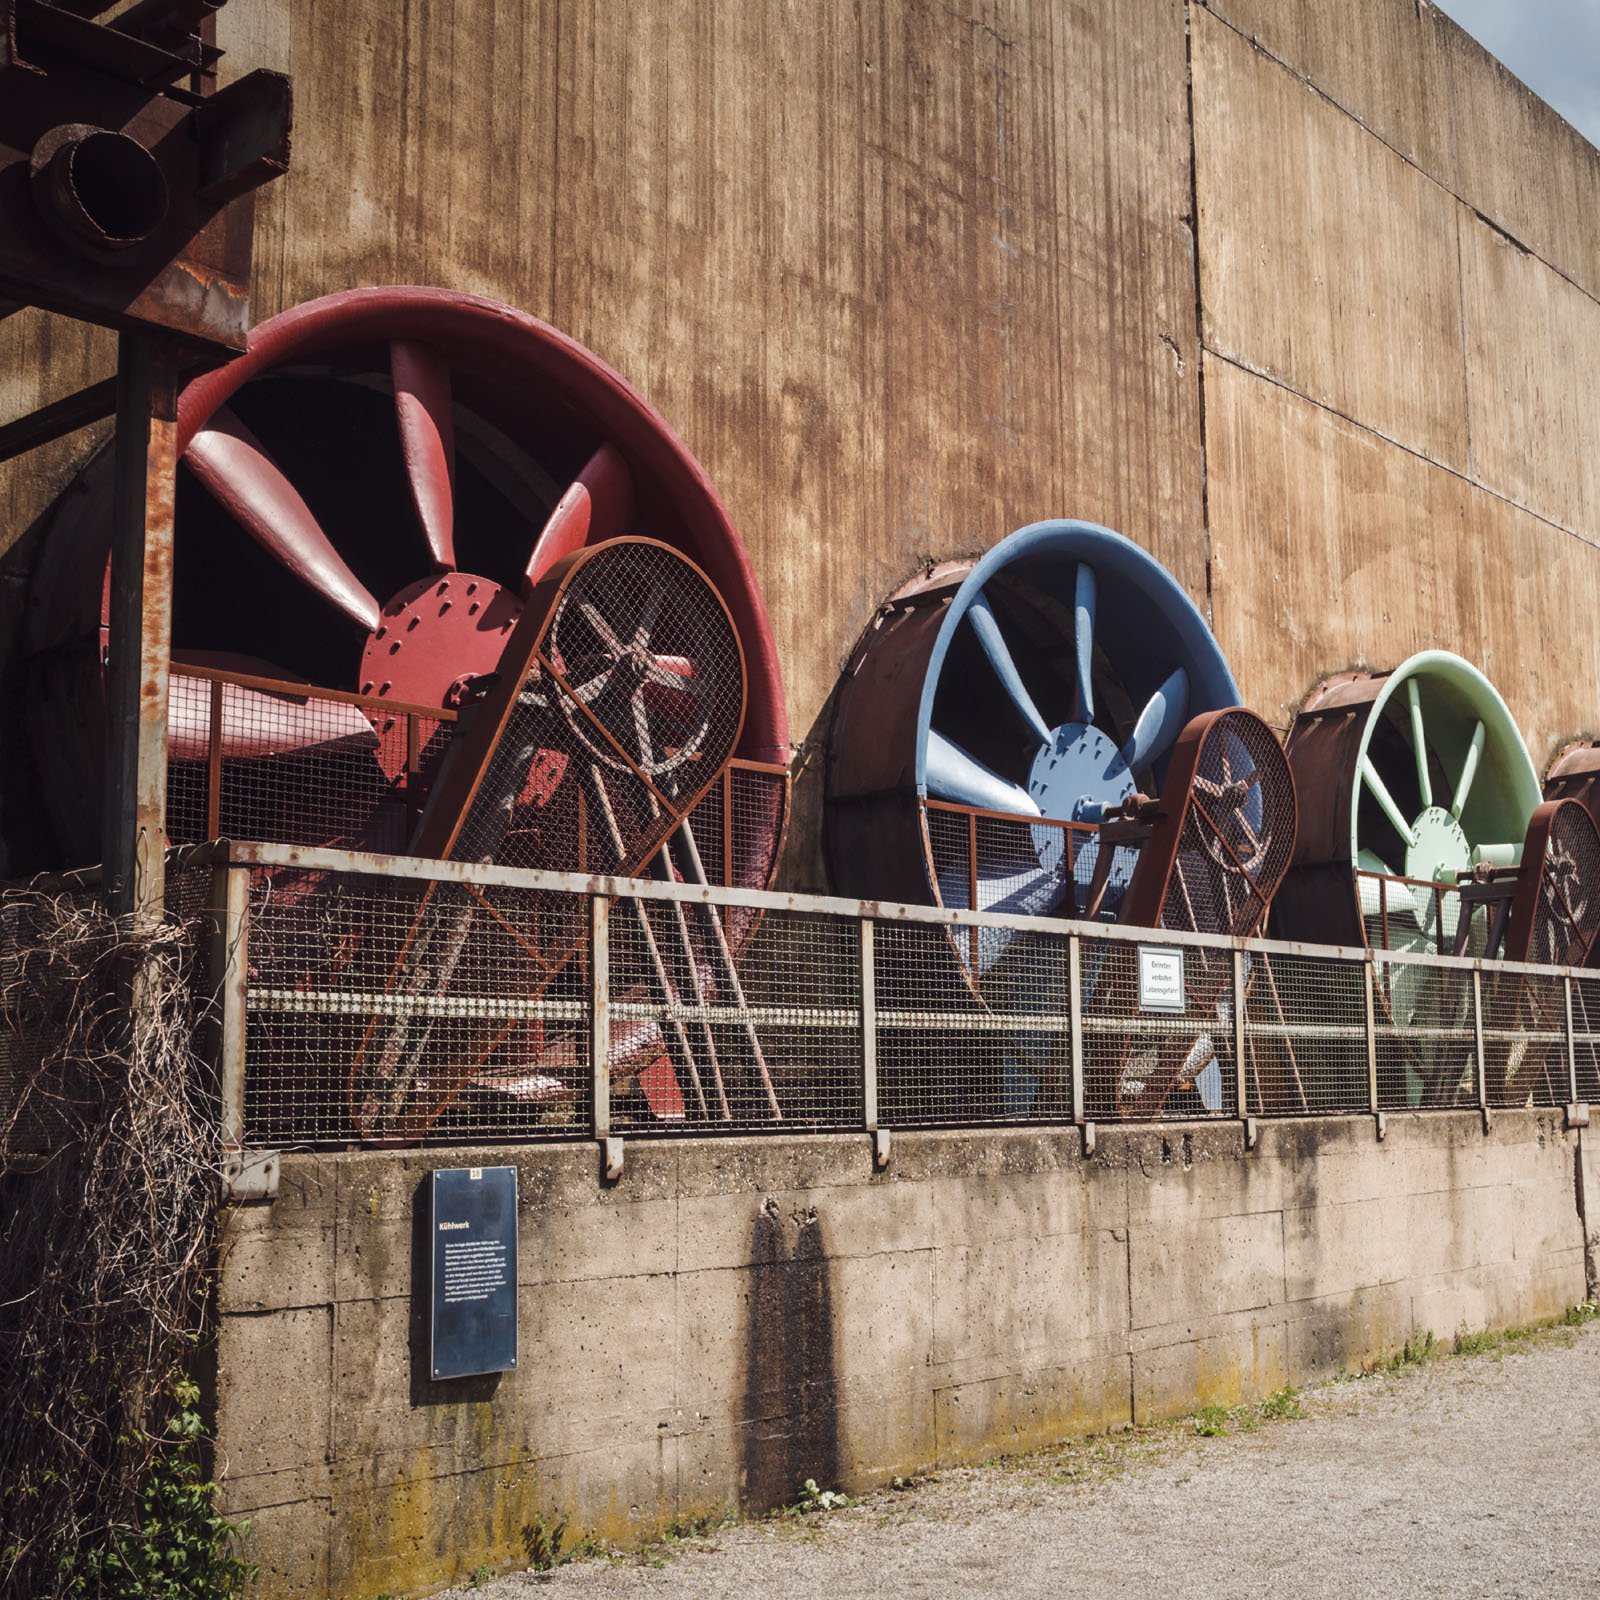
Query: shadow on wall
[(791, 1390)]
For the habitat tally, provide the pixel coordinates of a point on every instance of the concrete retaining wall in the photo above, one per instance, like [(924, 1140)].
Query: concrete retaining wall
[(735, 1316)]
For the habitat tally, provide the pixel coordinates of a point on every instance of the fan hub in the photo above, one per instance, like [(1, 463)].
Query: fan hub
[(435, 633), (1441, 849), (1078, 774)]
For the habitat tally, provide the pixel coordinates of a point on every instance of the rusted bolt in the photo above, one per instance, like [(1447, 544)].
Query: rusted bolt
[(98, 190)]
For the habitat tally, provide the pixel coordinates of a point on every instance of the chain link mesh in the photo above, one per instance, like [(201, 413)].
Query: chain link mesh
[(1524, 1039), (295, 767), (1158, 1030), (1425, 1036), (1306, 1035)]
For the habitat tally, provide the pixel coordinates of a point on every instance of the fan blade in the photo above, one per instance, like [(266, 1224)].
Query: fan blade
[(1159, 723), (598, 505), (1424, 783), (956, 776), (231, 462), (1469, 770), (987, 628), (1379, 791), (1083, 611), (1375, 897), (427, 441)]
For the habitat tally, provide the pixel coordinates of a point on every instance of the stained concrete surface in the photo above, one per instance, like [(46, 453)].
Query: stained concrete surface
[(1473, 1475)]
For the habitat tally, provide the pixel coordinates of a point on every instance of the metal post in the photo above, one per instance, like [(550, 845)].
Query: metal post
[(1372, 1035), (869, 1042), (141, 625), (1572, 1044), (600, 1015), (1075, 1022), (1477, 1038), (1241, 1088), (227, 914), (869, 1026)]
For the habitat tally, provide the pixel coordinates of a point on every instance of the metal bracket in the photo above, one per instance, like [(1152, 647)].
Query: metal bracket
[(1488, 1119), (1578, 1114), (1251, 1132), (1380, 1123), (611, 1149), (882, 1151), (1088, 1139), (249, 1175)]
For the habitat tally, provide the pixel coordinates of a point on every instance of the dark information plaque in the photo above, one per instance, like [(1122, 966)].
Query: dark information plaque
[(473, 1225)]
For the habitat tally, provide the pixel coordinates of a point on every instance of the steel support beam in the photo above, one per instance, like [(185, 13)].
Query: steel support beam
[(148, 367)]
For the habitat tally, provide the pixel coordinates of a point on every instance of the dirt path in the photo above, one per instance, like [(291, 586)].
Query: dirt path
[(1465, 1476)]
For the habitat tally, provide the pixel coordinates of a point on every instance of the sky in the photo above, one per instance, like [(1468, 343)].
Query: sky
[(1552, 45)]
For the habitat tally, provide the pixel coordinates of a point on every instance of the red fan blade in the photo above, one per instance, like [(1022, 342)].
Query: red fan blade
[(230, 461), (598, 505), (427, 441)]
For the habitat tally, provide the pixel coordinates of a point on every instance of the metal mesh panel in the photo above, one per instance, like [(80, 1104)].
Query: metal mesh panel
[(1018, 866), (1524, 1040), (1422, 917), (1306, 1035), (703, 1042), (733, 838), (1426, 1044), (952, 1049), (1237, 832), (1157, 1030), (395, 1009), (1586, 1037), (1567, 911), (249, 762)]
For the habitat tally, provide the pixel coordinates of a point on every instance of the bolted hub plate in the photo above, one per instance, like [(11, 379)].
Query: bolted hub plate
[(1080, 767), (435, 633), (1441, 850)]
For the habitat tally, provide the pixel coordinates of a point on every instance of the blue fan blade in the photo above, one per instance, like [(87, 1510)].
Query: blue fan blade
[(1083, 639), (1159, 723), (987, 629), (956, 776)]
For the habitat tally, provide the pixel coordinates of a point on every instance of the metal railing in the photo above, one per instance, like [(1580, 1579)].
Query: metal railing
[(379, 999)]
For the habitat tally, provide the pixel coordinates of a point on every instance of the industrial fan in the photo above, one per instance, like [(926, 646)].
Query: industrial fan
[(996, 712), (367, 497), (1423, 833), (1409, 779)]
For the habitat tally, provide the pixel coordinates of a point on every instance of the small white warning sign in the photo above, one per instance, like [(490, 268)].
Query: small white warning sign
[(1160, 979)]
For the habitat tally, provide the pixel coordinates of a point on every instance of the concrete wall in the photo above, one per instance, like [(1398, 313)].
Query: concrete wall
[(735, 1316), (1301, 297)]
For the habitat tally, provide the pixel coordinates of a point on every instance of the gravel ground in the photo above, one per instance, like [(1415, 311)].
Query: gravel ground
[(1467, 1476)]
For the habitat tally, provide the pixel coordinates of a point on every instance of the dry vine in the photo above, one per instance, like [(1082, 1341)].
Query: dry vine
[(105, 1246)]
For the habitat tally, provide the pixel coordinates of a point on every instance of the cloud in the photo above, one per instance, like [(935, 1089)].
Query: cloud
[(1552, 45)]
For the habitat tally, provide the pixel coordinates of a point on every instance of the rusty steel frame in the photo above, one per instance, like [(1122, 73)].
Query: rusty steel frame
[(141, 624)]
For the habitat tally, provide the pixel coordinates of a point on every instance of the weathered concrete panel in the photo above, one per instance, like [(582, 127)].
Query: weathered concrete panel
[(1422, 84), (1326, 260), (1533, 348), (1332, 547), (1222, 1264), (1374, 58), (275, 1402), (1518, 161)]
